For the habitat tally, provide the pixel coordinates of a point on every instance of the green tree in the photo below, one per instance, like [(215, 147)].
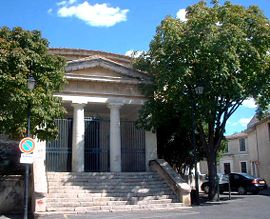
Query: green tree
[(23, 54), (224, 48), (173, 134)]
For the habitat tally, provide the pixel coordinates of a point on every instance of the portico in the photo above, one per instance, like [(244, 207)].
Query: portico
[(98, 134), (102, 99)]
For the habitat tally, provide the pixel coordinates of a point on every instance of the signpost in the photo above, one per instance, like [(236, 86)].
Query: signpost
[(27, 146)]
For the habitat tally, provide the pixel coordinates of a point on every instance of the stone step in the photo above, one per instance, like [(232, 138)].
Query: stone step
[(107, 183), (106, 203), (96, 180), (121, 189), (106, 199), (106, 177), (99, 175), (89, 179), (119, 208), (106, 194), (92, 192), (102, 173)]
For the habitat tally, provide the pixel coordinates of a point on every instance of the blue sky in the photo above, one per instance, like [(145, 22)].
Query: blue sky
[(117, 26)]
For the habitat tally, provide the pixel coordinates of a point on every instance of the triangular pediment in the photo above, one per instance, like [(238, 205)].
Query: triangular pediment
[(101, 67)]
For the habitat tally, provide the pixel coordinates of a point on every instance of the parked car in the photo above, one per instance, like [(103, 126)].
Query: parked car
[(223, 183), (243, 183), (239, 182)]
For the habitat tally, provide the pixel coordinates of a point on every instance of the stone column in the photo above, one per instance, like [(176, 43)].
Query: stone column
[(115, 137), (78, 138), (40, 187), (150, 148)]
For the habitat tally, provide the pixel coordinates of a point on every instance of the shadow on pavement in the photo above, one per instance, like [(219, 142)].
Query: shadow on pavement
[(265, 192), (14, 216), (224, 199)]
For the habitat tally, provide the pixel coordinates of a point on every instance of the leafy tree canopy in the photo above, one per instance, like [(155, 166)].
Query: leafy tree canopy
[(24, 54), (225, 49)]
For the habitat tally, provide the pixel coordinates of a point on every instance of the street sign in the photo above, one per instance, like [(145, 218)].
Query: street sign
[(27, 145), (27, 158)]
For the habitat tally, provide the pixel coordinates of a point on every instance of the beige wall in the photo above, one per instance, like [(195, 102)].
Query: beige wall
[(259, 137), (257, 154), (234, 156)]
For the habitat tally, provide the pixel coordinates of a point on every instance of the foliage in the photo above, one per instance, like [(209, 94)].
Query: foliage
[(222, 149), (224, 48), (23, 54), (174, 142)]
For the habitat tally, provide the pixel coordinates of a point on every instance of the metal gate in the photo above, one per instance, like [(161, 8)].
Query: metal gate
[(96, 145), (132, 147), (58, 152)]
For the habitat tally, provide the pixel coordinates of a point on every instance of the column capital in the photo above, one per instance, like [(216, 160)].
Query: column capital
[(115, 105), (78, 105)]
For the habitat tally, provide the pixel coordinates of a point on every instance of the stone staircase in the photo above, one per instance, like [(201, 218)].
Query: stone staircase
[(107, 192)]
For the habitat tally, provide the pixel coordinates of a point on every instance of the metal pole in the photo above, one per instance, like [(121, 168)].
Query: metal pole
[(195, 153), (26, 175), (218, 189), (229, 184), (26, 184)]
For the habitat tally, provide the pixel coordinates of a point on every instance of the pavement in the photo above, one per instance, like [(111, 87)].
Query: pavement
[(238, 207)]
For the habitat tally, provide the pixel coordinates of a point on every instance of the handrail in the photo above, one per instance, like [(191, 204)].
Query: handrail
[(173, 179)]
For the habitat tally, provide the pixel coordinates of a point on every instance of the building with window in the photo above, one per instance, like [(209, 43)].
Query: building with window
[(248, 151), (99, 152), (102, 99), (236, 158), (259, 147)]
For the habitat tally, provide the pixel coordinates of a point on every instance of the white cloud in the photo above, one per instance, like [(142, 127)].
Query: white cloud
[(249, 103), (72, 1), (69, 2), (244, 121), (133, 53), (241, 122), (181, 14), (97, 15), (50, 11)]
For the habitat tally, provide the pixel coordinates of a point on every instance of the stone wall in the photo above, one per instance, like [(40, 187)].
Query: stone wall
[(11, 179), (11, 194), (10, 157)]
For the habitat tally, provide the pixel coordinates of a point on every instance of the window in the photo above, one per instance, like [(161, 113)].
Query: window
[(243, 166), (242, 144), (227, 168)]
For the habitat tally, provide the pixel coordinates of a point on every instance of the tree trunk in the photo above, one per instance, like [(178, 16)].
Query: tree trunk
[(212, 176)]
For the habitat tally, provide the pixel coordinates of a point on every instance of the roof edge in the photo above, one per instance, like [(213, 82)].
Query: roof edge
[(86, 52)]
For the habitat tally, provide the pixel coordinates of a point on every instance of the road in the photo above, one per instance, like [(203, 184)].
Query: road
[(239, 207)]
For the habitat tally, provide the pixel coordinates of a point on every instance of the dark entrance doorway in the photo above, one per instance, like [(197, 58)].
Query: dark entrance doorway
[(132, 147), (58, 152), (227, 168), (96, 145)]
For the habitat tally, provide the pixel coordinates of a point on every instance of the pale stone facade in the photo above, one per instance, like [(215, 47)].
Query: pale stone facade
[(248, 151), (102, 85), (259, 145), (236, 158)]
